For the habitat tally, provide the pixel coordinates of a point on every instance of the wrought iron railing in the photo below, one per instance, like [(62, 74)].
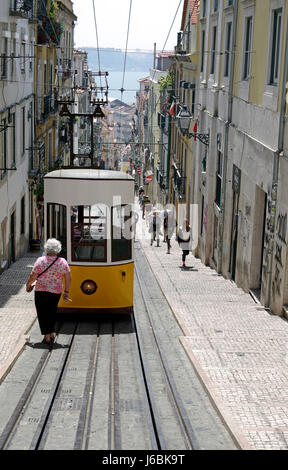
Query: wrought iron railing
[(22, 8)]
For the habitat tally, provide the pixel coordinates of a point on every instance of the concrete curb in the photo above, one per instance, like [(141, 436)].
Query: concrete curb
[(220, 406), (8, 364), (6, 367)]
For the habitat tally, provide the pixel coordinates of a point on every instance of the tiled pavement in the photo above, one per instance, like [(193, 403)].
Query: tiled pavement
[(17, 312), (239, 350)]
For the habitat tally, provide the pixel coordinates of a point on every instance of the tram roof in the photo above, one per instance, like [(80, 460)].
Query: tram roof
[(88, 173)]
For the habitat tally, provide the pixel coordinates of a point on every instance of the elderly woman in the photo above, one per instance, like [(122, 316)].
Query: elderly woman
[(47, 276)]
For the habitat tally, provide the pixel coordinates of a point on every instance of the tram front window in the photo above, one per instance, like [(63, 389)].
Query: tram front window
[(56, 225), (89, 233), (121, 233)]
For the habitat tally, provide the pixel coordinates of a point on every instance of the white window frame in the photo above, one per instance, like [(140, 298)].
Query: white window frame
[(244, 83), (228, 18), (4, 147), (227, 49), (12, 138), (50, 150), (214, 33), (247, 49), (22, 57), (271, 90), (276, 61), (13, 53), (4, 58)]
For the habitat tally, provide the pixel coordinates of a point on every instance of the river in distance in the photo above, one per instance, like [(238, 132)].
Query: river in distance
[(131, 85)]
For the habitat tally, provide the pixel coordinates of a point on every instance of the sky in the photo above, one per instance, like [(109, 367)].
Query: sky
[(150, 22)]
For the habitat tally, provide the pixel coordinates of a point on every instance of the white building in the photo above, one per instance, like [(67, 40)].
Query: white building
[(16, 126)]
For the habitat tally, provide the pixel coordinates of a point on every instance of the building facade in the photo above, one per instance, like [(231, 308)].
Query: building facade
[(17, 40), (36, 41), (183, 147), (239, 177)]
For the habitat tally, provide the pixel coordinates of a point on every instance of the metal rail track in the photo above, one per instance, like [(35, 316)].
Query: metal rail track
[(191, 442), (85, 410), (10, 429), (104, 391)]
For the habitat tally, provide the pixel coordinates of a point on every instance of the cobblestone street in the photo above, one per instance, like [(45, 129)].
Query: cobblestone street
[(238, 349)]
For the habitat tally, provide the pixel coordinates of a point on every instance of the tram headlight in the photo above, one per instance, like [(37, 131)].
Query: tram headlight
[(88, 287)]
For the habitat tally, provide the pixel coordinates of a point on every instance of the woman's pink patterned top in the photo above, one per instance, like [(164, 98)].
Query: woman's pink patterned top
[(51, 280)]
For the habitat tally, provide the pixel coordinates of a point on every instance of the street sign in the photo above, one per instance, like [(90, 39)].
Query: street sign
[(148, 179), (138, 170)]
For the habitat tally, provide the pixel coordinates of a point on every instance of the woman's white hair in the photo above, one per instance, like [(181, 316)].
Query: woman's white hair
[(52, 247)]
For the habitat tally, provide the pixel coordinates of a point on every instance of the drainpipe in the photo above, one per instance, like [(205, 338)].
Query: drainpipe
[(277, 155), (227, 126), (168, 160)]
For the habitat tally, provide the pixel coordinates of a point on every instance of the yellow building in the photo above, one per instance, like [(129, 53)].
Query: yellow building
[(183, 146), (241, 92), (53, 65), (156, 132)]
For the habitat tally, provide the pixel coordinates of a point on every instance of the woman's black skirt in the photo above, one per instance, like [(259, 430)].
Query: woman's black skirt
[(46, 307)]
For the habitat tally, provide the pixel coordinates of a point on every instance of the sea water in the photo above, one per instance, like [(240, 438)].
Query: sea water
[(130, 85)]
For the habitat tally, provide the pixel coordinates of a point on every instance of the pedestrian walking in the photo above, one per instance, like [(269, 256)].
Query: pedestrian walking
[(135, 218), (169, 225), (141, 193), (142, 203), (155, 226), (47, 275), (184, 240)]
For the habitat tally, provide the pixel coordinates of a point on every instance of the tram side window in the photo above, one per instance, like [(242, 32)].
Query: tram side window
[(121, 233), (89, 233), (57, 226)]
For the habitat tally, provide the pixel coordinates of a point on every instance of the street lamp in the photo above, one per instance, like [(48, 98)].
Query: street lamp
[(184, 119)]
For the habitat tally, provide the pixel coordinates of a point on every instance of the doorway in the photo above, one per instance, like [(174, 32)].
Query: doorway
[(12, 238), (259, 220), (234, 235)]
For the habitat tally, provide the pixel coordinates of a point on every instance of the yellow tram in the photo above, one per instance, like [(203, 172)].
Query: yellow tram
[(90, 212)]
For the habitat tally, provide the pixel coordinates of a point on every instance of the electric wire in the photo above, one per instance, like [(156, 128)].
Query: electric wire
[(125, 59), (127, 37), (153, 108), (97, 42)]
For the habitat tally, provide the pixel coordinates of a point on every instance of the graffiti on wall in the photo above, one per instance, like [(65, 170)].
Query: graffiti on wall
[(280, 250), (205, 217), (245, 229)]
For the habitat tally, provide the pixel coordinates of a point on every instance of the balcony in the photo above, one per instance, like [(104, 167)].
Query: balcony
[(160, 179), (48, 108), (49, 30), (22, 8)]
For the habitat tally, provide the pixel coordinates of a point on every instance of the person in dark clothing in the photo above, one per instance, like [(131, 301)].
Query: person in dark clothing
[(47, 275), (155, 226), (184, 240), (169, 225), (141, 193)]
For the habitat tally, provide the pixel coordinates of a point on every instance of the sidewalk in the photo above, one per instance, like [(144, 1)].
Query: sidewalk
[(238, 349), (17, 311)]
